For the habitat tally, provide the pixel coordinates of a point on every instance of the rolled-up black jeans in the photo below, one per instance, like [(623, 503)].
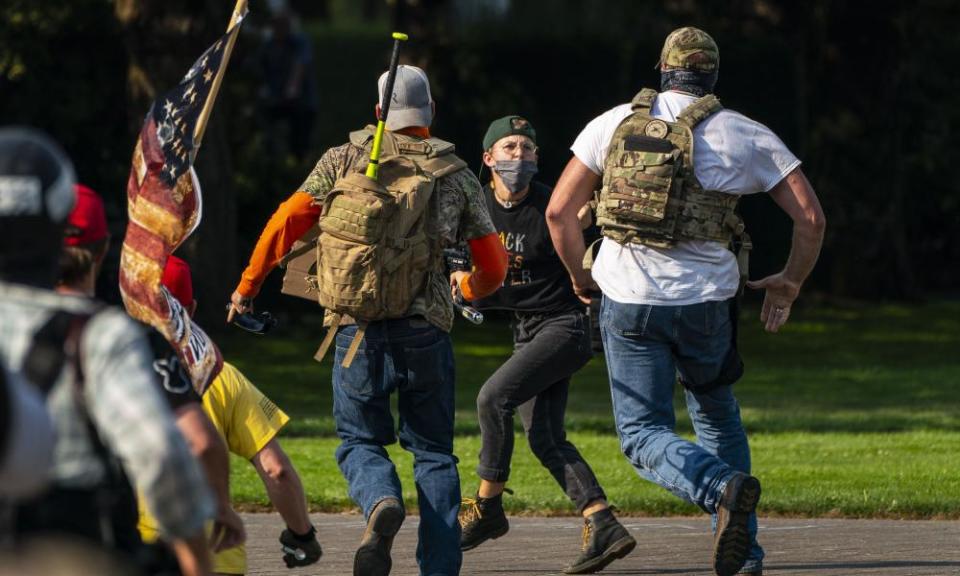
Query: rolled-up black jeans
[(548, 349)]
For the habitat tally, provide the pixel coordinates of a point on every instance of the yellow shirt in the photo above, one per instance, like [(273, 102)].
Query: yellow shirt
[(246, 420)]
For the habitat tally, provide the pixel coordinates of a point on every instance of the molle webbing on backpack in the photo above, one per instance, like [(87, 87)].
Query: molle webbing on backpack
[(650, 193), (374, 255)]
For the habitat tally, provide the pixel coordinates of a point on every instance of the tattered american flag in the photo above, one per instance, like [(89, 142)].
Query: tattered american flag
[(164, 206)]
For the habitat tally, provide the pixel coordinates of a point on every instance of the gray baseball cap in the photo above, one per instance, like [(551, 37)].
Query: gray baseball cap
[(411, 103)]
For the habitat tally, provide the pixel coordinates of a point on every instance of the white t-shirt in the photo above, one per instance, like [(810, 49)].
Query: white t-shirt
[(732, 154)]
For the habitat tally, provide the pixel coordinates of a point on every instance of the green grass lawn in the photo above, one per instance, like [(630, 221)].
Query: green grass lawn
[(851, 411)]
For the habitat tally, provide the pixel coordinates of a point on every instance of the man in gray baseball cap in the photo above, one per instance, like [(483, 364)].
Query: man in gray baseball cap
[(437, 193), (412, 104)]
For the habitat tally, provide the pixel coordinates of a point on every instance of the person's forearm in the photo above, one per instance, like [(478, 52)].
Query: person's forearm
[(490, 267), (208, 448), (216, 463), (287, 495), (567, 239), (796, 197), (292, 220), (192, 555), (573, 191), (804, 251)]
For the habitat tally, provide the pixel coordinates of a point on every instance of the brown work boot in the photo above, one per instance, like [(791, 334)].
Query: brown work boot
[(731, 544), (481, 519), (373, 555), (604, 540)]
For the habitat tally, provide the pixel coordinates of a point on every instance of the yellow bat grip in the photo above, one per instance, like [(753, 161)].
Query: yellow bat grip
[(373, 167), (374, 164)]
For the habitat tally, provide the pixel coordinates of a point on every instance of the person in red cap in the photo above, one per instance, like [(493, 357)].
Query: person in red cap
[(85, 243), (249, 422), (179, 282), (86, 240)]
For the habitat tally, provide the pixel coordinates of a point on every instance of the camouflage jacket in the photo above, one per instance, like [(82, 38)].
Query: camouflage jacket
[(457, 213)]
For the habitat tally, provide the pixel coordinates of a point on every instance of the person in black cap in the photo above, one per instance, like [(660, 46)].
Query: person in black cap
[(551, 342), (94, 368)]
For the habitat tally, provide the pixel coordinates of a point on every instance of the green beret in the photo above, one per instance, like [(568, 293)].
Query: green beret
[(508, 126)]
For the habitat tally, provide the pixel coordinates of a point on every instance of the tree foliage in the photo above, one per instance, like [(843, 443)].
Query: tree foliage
[(863, 95)]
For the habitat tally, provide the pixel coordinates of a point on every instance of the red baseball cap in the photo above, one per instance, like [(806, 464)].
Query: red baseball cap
[(178, 280), (87, 223)]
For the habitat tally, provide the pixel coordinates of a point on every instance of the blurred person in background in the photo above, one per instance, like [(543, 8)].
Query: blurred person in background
[(289, 90), (94, 368)]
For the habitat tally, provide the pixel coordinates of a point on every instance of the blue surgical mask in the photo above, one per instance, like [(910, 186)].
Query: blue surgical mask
[(516, 174)]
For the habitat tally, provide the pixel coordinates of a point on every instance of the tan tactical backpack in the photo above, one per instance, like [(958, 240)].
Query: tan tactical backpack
[(650, 194), (373, 254)]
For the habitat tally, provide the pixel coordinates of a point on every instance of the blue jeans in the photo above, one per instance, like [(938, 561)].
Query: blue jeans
[(646, 347), (415, 359)]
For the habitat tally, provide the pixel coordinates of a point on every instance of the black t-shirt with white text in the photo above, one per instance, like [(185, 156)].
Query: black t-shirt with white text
[(175, 383), (536, 279)]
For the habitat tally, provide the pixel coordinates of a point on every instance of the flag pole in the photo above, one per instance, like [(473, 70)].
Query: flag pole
[(238, 11)]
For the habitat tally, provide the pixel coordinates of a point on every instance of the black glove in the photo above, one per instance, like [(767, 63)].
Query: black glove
[(300, 550), (457, 259)]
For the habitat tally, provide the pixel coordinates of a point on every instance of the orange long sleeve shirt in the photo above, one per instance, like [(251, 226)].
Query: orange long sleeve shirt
[(490, 267), (299, 213), (291, 221)]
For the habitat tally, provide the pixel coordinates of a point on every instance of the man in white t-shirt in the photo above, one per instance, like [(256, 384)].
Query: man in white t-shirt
[(669, 289)]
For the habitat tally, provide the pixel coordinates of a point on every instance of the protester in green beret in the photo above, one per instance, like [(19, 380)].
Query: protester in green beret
[(551, 338)]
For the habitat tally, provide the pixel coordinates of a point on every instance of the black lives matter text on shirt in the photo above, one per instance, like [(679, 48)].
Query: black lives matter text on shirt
[(536, 278)]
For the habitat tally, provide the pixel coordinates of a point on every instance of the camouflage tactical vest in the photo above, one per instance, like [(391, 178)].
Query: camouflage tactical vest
[(373, 254), (650, 194)]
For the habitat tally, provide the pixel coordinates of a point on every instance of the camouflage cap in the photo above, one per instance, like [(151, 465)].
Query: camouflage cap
[(691, 49)]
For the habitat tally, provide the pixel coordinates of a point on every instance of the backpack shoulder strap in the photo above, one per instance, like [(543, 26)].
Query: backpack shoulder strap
[(361, 138), (643, 100), (699, 111), (440, 147), (431, 147), (54, 345), (434, 156), (442, 165)]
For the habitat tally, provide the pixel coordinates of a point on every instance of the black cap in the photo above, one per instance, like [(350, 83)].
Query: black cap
[(36, 196), (36, 177)]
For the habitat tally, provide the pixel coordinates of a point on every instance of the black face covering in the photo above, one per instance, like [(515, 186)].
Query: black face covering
[(691, 81)]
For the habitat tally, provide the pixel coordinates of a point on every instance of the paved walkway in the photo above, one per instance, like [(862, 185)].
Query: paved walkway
[(671, 546)]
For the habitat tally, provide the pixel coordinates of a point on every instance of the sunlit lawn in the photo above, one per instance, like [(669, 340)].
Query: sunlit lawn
[(852, 412)]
